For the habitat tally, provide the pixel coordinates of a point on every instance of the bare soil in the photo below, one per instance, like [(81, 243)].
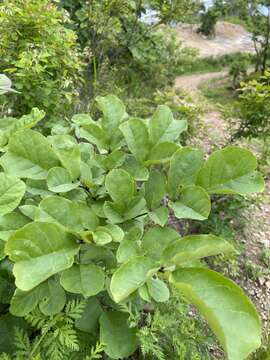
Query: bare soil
[(230, 38)]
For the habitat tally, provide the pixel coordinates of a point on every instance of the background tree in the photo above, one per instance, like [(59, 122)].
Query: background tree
[(40, 56)]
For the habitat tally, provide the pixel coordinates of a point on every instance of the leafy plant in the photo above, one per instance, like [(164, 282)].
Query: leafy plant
[(39, 54), (208, 22), (253, 109), (85, 214), (119, 42)]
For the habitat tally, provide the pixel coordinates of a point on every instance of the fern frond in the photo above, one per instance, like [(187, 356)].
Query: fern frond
[(21, 340), (67, 337), (53, 349), (74, 309), (96, 352), (36, 319)]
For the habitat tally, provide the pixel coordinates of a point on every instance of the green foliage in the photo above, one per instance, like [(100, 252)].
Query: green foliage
[(253, 108), (121, 49), (238, 70), (173, 331), (208, 22), (92, 246), (39, 54)]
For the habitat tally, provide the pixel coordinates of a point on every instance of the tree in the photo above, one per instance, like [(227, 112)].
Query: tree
[(40, 55), (113, 34)]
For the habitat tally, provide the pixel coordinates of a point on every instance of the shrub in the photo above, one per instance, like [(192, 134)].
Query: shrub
[(208, 22), (86, 244), (39, 54), (253, 108)]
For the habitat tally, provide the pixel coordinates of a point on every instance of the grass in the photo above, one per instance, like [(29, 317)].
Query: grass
[(218, 91), (210, 64)]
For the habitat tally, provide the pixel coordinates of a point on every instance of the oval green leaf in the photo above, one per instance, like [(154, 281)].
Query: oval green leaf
[(87, 280), (130, 276), (230, 171), (11, 193), (194, 203), (231, 315), (39, 251)]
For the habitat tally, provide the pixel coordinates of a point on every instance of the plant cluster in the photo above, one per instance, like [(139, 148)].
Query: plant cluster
[(86, 243), (209, 20), (40, 55), (253, 109), (128, 41)]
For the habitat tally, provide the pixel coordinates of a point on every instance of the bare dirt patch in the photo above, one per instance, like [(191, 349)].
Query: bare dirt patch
[(230, 38)]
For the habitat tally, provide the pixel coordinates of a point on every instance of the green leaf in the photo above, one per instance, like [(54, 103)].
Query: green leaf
[(113, 160), (59, 180), (194, 247), (184, 167), (120, 341), (135, 169), (230, 171), (81, 119), (161, 153), (74, 216), (158, 290), (113, 112), (29, 155), (37, 187), (157, 239), (127, 250), (102, 237), (95, 135), (228, 311), (87, 280), (23, 302), (52, 297), (159, 216), (130, 276), (154, 189), (194, 203), (113, 212), (39, 251), (114, 231), (88, 322), (25, 122), (68, 152), (137, 138), (163, 127), (135, 208), (120, 186), (10, 222), (11, 193), (144, 293), (97, 254)]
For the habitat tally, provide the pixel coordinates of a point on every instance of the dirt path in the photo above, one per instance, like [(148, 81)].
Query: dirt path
[(190, 83)]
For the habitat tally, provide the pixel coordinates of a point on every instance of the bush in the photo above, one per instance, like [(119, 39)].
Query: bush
[(253, 109), (86, 242), (39, 54), (208, 23)]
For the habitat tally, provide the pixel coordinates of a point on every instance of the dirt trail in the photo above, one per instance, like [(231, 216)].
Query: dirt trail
[(190, 83)]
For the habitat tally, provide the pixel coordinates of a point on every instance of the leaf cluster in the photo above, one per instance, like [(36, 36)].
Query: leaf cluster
[(84, 213)]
